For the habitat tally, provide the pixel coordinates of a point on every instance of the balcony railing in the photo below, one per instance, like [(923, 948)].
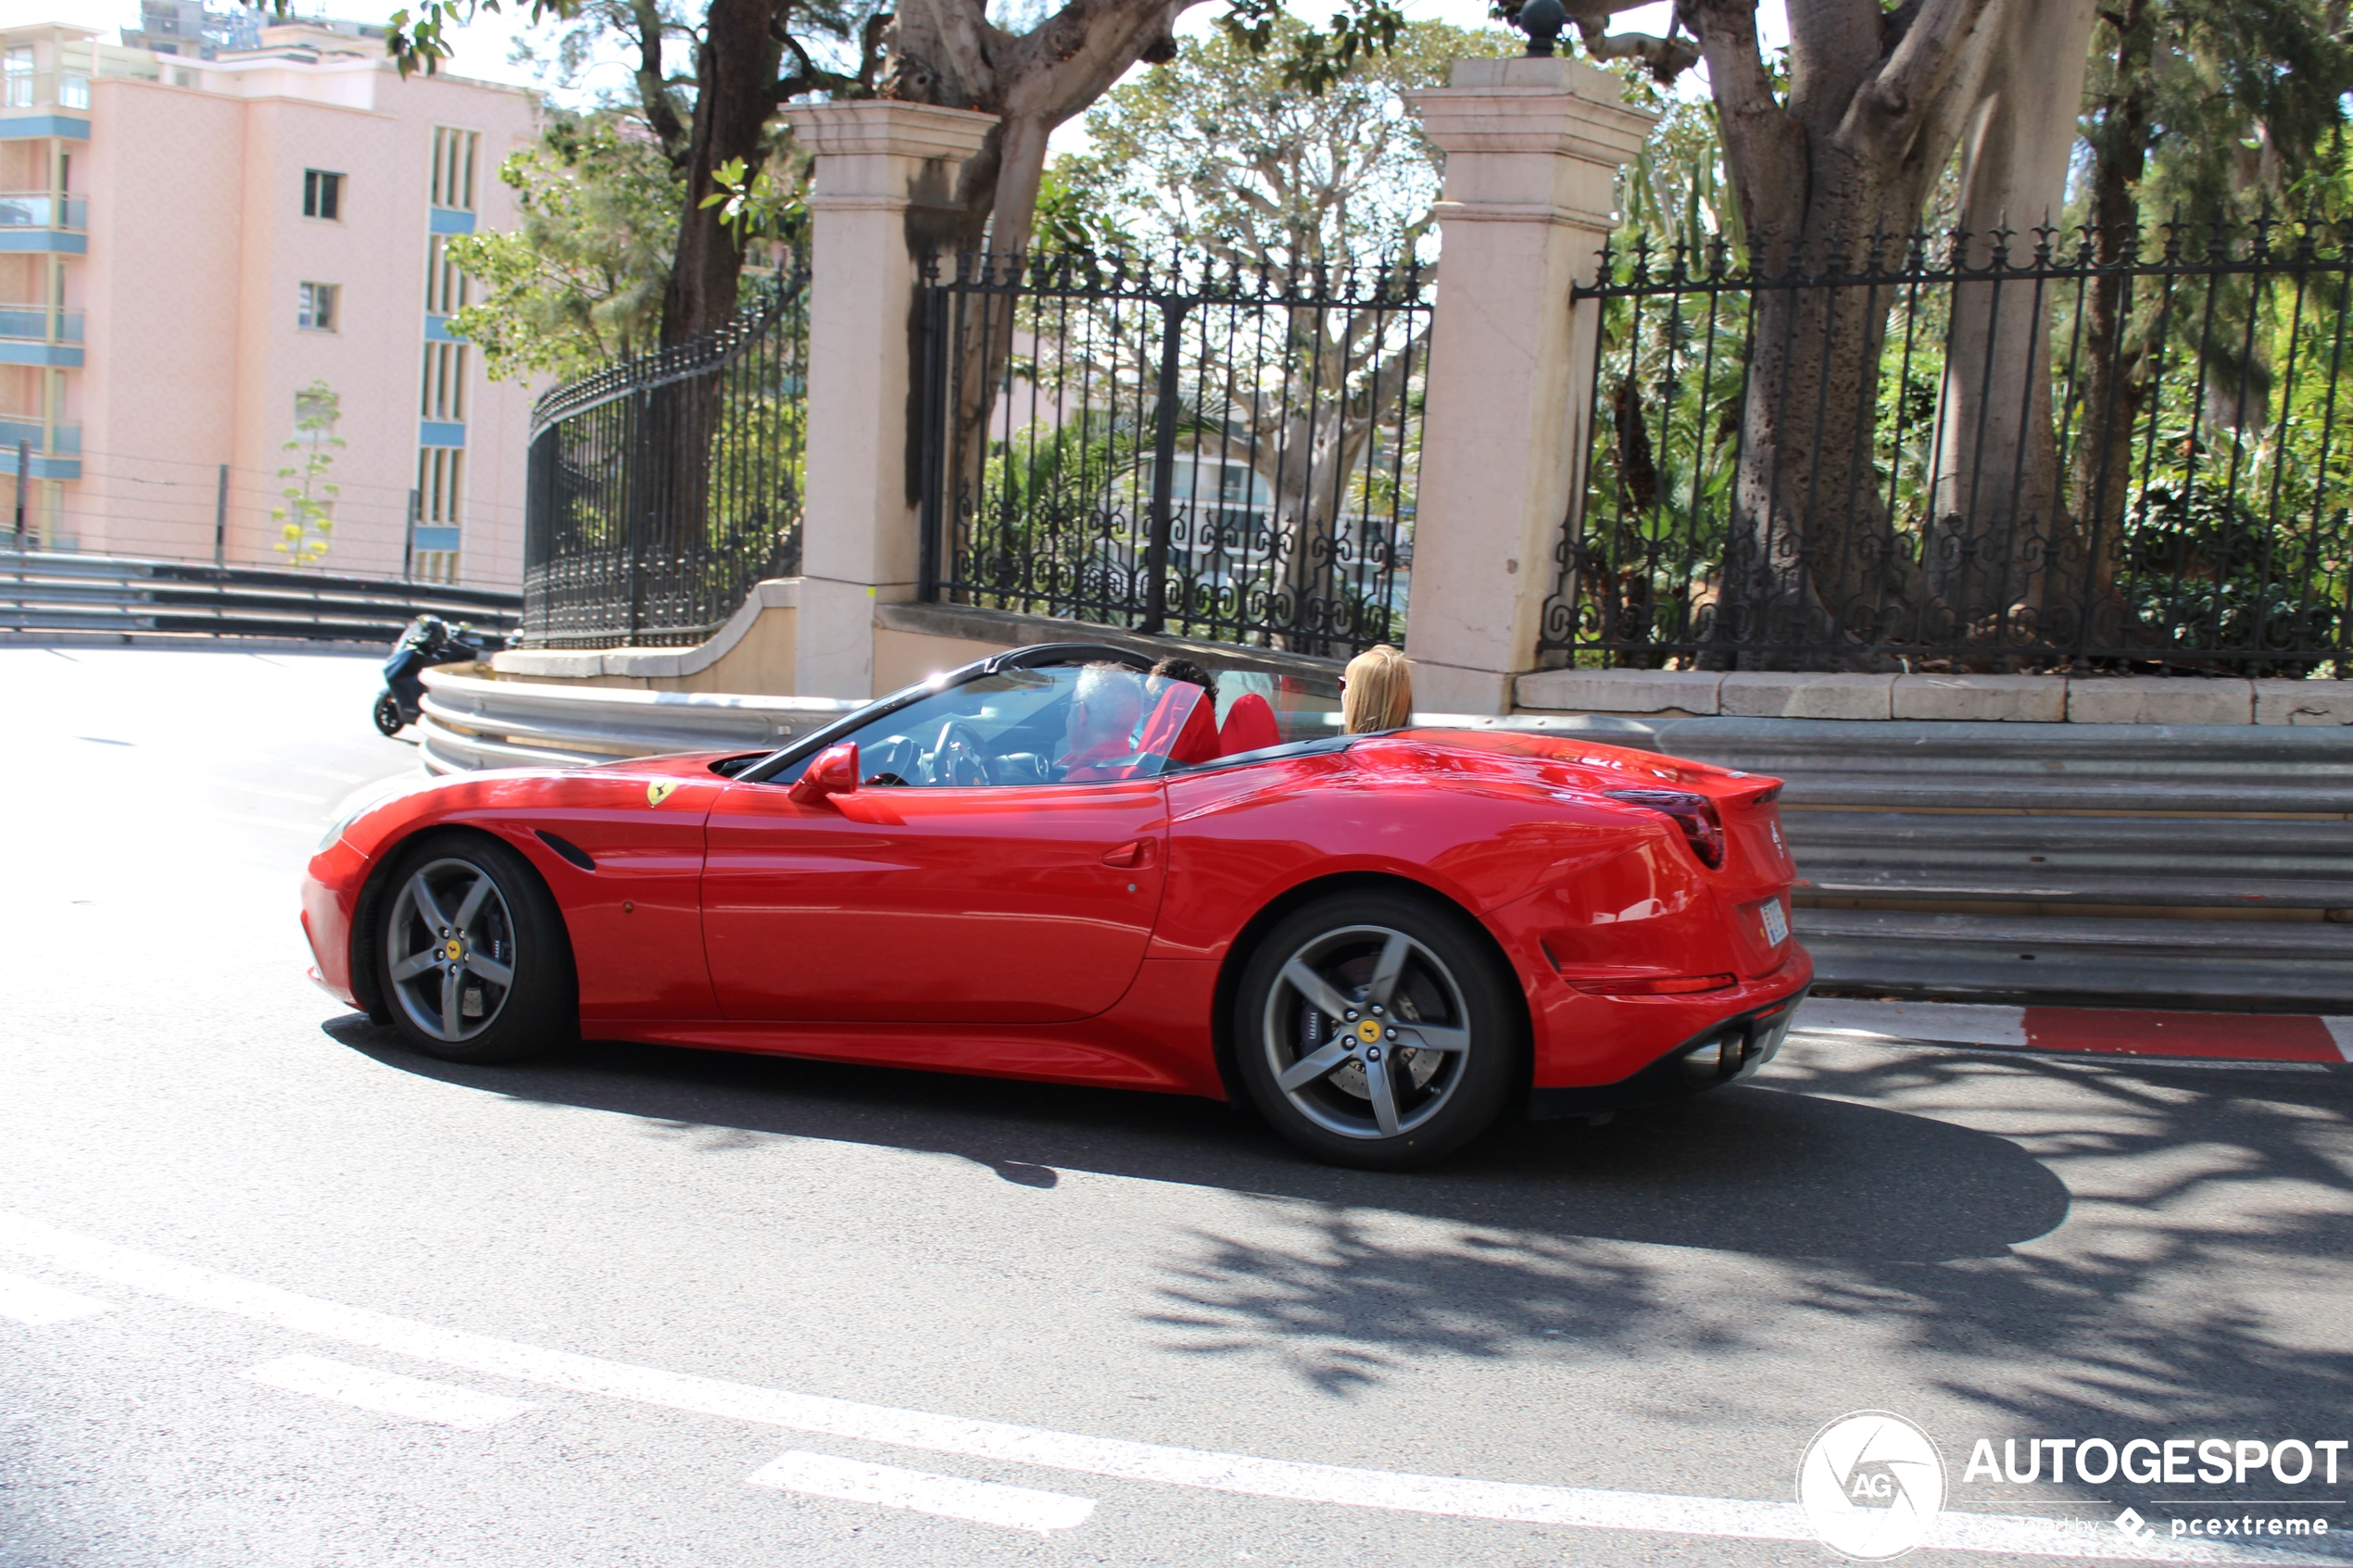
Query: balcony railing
[(46, 89), (39, 323), (38, 210), (46, 440)]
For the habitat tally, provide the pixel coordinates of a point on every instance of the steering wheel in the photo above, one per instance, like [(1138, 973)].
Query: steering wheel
[(896, 755), (956, 759)]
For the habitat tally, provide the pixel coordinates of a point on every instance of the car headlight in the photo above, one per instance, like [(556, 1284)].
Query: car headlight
[(366, 798), (334, 828)]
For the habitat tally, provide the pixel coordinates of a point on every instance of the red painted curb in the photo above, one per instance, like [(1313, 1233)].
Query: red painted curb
[(2214, 1037)]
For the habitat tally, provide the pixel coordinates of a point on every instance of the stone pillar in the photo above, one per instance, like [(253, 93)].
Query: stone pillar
[(881, 199), (1533, 147)]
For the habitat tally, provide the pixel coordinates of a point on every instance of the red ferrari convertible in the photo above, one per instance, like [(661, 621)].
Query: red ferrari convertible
[(1047, 865)]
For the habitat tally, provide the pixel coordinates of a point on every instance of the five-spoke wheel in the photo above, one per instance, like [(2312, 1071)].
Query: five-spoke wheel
[(475, 967), (1373, 1029)]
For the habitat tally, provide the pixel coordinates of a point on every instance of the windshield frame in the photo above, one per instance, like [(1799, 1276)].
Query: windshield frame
[(809, 745)]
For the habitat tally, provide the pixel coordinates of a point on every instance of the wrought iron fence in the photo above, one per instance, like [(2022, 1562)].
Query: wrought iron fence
[(661, 490), (2006, 453), (1226, 454)]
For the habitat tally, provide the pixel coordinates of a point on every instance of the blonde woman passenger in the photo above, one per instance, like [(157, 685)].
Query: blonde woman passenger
[(1377, 692)]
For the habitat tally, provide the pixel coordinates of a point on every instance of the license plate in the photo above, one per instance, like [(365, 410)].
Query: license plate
[(1776, 923)]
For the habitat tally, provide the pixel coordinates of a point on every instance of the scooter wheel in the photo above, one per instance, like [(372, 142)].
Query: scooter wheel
[(388, 718)]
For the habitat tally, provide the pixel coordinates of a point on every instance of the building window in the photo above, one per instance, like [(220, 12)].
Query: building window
[(321, 303), (440, 507), (453, 168), (444, 397), (446, 291), (15, 70), (321, 193), (73, 92)]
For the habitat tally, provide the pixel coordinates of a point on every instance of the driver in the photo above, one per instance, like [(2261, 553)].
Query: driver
[(1099, 736)]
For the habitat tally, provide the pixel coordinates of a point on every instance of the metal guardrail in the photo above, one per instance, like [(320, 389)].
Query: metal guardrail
[(471, 722), (2143, 864), (44, 593)]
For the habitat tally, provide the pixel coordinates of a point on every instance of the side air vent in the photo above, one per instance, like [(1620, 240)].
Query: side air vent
[(568, 849)]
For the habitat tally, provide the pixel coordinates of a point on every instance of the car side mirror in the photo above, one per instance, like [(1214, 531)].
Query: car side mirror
[(835, 772)]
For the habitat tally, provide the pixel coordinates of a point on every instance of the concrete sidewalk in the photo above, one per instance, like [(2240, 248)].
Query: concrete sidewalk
[(2238, 1039)]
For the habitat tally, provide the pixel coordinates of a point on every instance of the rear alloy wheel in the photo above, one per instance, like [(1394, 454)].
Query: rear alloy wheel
[(1376, 1030), (475, 963)]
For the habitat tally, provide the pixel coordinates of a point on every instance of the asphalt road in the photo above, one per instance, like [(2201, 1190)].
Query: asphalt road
[(609, 1290)]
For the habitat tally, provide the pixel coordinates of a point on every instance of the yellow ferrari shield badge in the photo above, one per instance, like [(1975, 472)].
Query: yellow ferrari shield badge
[(658, 791)]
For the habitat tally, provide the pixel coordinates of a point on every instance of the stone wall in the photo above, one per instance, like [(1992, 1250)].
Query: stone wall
[(2034, 699)]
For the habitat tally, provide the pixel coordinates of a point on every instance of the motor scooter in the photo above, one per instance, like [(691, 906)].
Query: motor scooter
[(428, 640)]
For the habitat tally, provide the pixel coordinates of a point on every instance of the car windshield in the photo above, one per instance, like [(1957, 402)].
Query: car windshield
[(1057, 723)]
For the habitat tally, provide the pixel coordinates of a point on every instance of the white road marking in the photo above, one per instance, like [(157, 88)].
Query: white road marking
[(29, 1302), (1959, 1024), (2341, 1031), (1510, 1501), (951, 1497), (388, 1393)]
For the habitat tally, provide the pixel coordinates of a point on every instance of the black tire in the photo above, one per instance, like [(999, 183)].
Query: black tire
[(1450, 1038), (387, 715), (477, 904)]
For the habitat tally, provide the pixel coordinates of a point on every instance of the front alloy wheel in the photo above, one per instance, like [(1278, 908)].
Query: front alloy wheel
[(475, 966), (1376, 1030), (449, 950)]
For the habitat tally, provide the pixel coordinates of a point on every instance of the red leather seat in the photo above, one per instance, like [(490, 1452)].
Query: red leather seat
[(1250, 724)]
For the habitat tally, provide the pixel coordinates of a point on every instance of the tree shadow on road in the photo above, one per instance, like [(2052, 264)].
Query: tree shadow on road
[(2199, 1287), (1744, 1169), (2042, 1235)]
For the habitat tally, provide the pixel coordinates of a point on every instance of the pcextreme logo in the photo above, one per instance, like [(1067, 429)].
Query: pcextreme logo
[(1871, 1485)]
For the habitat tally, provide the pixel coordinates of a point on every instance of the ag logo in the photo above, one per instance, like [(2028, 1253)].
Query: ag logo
[(1871, 1485), (658, 791)]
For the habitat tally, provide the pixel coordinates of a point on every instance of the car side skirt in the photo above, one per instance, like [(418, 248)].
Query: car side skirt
[(1155, 1038)]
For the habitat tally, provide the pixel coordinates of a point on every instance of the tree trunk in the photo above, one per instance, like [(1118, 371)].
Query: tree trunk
[(946, 51), (1994, 508), (735, 94), (1315, 441), (1813, 571), (2115, 381)]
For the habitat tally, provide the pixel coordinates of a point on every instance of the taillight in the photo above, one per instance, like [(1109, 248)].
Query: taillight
[(1696, 814), (1680, 985)]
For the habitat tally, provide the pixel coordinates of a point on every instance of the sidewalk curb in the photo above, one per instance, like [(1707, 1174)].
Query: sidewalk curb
[(2226, 1040)]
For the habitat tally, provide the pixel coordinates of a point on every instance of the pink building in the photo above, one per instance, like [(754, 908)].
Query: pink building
[(188, 245)]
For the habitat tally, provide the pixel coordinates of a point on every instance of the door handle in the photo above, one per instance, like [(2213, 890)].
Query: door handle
[(1133, 855)]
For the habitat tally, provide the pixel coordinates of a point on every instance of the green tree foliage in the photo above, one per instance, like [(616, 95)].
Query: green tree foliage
[(579, 283), (2210, 109), (1678, 184), (1221, 153), (307, 523), (2203, 116), (750, 58)]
